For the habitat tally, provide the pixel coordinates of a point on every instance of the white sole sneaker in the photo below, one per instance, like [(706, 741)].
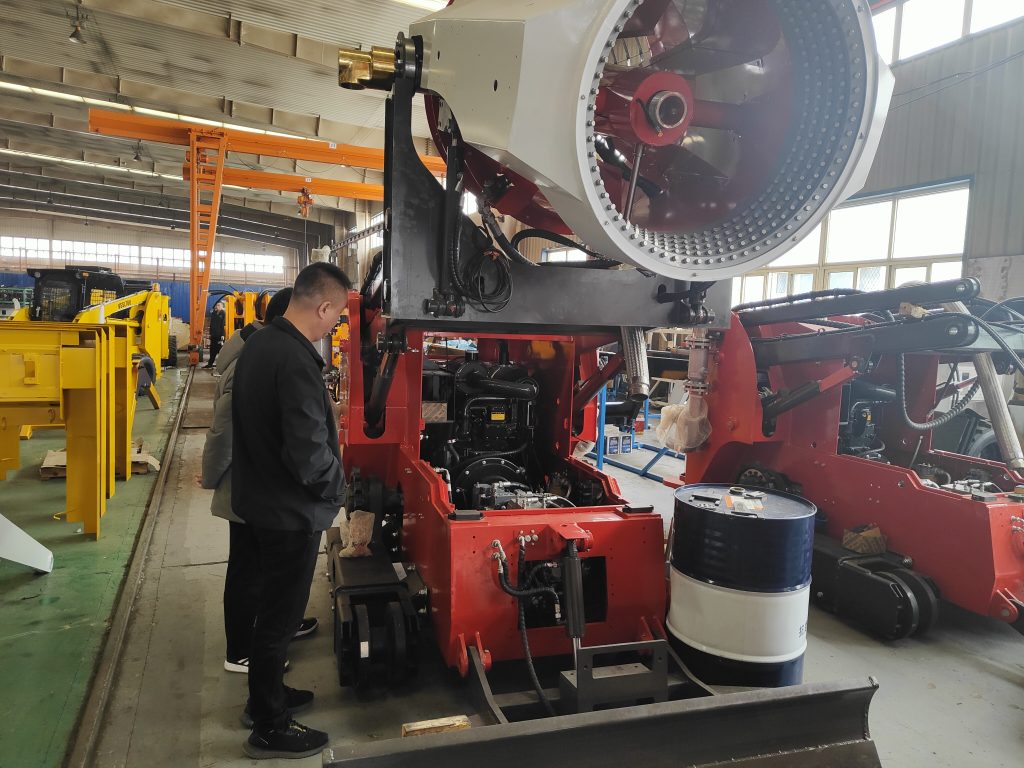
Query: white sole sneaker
[(242, 665)]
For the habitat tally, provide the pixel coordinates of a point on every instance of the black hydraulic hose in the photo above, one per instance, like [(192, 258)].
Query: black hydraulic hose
[(827, 294), (523, 592), (830, 323), (377, 404), (376, 266), (523, 635), (901, 399), (596, 260), (518, 390), (487, 216), (454, 245)]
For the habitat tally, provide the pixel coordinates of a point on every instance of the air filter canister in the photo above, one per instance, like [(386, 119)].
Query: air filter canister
[(740, 583)]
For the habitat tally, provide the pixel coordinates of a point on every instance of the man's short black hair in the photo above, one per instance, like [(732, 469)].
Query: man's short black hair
[(277, 305), (316, 280)]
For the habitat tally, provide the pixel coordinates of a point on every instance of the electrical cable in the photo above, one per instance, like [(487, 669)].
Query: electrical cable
[(469, 279), (997, 338), (1002, 305), (471, 283), (966, 77), (489, 220)]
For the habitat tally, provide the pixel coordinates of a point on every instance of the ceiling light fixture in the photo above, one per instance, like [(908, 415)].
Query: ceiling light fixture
[(89, 164), (426, 5), (76, 26)]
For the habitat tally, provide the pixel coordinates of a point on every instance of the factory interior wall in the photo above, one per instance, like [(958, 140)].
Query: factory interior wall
[(174, 282), (957, 114)]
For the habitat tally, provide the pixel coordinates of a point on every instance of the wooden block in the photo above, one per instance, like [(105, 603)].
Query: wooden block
[(438, 725)]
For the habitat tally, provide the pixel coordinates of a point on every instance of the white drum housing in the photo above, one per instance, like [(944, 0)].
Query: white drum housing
[(530, 85)]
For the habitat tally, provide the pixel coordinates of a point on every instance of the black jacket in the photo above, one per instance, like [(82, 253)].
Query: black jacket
[(286, 471), (217, 325)]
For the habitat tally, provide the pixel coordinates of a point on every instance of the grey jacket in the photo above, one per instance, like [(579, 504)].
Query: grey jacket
[(217, 451)]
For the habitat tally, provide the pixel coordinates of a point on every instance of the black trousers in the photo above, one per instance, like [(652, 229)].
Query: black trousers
[(215, 345), (241, 592), (286, 561)]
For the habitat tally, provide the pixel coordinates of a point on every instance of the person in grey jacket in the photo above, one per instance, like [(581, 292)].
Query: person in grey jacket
[(241, 581)]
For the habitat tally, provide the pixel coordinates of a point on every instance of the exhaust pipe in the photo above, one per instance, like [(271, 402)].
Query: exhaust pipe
[(634, 352)]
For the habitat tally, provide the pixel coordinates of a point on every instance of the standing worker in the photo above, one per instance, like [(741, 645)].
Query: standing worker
[(287, 485), (241, 581), (218, 327)]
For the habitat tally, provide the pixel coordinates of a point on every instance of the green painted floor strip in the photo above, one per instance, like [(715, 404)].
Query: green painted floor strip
[(52, 626)]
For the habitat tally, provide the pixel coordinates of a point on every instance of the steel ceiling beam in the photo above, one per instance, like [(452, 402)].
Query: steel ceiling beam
[(134, 126), (124, 195), (174, 215)]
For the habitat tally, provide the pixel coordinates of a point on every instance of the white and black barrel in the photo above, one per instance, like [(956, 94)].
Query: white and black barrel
[(740, 583)]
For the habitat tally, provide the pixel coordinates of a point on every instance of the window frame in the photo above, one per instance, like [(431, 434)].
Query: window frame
[(965, 30), (823, 269)]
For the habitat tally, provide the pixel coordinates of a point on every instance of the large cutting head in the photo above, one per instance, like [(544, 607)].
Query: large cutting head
[(698, 139)]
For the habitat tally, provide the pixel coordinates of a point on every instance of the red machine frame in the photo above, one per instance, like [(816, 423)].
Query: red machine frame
[(972, 549), (467, 606)]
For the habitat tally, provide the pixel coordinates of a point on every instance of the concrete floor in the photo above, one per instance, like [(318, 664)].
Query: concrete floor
[(953, 699), (52, 625)]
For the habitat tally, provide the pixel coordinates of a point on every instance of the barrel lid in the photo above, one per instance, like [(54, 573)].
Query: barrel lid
[(745, 501)]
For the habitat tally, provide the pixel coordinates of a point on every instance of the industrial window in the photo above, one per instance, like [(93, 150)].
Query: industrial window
[(154, 261), (376, 240), (908, 29), (885, 33), (928, 24), (986, 14), (870, 245)]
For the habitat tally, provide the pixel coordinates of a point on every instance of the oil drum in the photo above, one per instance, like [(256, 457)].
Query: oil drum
[(740, 583)]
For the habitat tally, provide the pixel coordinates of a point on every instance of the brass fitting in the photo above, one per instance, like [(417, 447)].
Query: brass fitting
[(359, 69)]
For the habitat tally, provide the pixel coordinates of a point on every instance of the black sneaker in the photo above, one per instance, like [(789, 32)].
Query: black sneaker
[(307, 627), (294, 740), (242, 665), (298, 701)]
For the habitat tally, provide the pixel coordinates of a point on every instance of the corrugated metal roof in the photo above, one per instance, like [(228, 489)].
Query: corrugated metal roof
[(36, 30), (344, 22)]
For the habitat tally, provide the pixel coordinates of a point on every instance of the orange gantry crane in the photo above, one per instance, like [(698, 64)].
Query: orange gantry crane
[(206, 172)]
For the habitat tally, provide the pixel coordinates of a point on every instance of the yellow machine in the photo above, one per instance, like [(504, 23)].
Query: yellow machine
[(74, 360), (95, 295), (241, 308)]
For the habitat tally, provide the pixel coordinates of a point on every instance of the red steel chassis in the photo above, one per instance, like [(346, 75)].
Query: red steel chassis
[(467, 606), (971, 549)]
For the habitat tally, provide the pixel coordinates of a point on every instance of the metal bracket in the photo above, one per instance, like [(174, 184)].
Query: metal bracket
[(592, 686)]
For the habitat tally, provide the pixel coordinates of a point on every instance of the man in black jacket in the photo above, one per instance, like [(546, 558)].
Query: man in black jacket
[(218, 330), (286, 484)]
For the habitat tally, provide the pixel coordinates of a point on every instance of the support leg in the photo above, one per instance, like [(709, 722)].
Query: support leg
[(86, 497), (10, 448)]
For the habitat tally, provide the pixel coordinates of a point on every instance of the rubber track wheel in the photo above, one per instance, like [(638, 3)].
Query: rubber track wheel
[(927, 600), (909, 625)]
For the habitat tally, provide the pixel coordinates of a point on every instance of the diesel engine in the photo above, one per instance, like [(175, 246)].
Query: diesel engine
[(481, 418)]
